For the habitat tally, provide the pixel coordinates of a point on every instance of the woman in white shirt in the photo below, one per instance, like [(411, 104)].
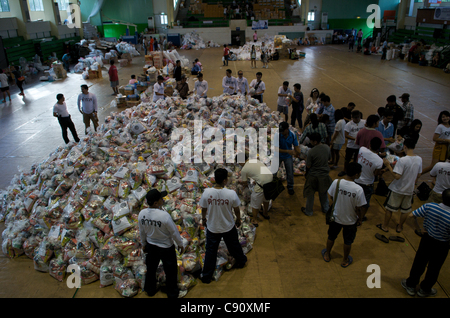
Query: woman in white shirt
[(312, 103), (158, 89), (441, 138), (60, 111)]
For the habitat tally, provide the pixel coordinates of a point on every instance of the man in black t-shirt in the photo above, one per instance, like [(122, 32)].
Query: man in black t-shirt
[(396, 110)]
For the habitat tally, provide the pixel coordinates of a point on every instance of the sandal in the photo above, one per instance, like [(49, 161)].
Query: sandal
[(382, 238), (350, 260), (397, 238), (323, 255), (396, 229), (380, 226)]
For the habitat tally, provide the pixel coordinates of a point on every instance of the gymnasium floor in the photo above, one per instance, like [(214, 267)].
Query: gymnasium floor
[(285, 261)]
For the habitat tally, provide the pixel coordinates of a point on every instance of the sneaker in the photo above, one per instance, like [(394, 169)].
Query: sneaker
[(341, 174), (432, 293), (182, 293), (204, 280), (411, 291)]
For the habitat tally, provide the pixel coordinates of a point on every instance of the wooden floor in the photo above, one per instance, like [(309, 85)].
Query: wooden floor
[(285, 261)]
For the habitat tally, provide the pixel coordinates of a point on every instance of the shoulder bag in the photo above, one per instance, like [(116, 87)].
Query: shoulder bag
[(272, 189), (329, 218)]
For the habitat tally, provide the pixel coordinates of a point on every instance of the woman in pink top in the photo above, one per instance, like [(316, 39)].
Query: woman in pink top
[(255, 37)]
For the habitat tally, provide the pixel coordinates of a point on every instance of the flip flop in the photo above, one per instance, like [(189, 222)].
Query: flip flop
[(380, 226), (396, 229), (397, 238), (382, 238), (350, 260), (323, 255), (255, 224)]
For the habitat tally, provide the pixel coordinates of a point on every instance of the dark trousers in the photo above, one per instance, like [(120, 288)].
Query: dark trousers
[(296, 115), (433, 253), (231, 239), (258, 97), (20, 85), (226, 60), (168, 256), (66, 122)]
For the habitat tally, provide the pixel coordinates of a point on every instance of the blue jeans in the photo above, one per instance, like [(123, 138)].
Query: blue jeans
[(289, 166), (323, 197), (231, 239)]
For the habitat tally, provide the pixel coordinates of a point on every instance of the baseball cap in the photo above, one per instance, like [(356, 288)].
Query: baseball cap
[(405, 95), (154, 195)]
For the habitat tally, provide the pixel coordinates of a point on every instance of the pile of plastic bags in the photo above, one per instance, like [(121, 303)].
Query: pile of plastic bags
[(124, 47), (193, 40), (81, 205), (243, 52)]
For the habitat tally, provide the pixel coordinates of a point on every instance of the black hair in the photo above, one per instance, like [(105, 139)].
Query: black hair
[(351, 104), (286, 83), (229, 71), (325, 99), (371, 120), (375, 143), (199, 74), (220, 175), (315, 137), (133, 76), (297, 85), (283, 126), (446, 113), (391, 98), (387, 112), (84, 86), (314, 120), (313, 91), (259, 73), (325, 118), (160, 77), (409, 143), (356, 113), (414, 123), (446, 197), (59, 96), (177, 61), (353, 168), (338, 115), (111, 62), (381, 111)]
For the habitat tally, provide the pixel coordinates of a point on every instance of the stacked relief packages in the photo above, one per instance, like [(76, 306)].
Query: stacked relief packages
[(81, 205), (193, 40)]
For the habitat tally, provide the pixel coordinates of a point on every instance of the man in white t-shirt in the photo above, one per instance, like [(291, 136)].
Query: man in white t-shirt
[(5, 86), (441, 174), (347, 212), (283, 99), (201, 86), (87, 105), (229, 83), (217, 205), (158, 233), (372, 165), (259, 87), (406, 172), (242, 84), (259, 172), (351, 131), (158, 89)]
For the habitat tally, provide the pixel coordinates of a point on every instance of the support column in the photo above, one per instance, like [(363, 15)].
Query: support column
[(305, 9), (51, 16), (17, 10), (402, 7)]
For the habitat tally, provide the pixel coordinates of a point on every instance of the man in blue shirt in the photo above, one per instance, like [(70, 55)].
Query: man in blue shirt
[(328, 109), (65, 60), (196, 69), (386, 128), (433, 248), (288, 140)]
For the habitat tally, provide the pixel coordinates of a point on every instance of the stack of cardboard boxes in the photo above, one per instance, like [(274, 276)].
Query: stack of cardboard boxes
[(269, 9), (95, 74), (196, 7), (60, 72)]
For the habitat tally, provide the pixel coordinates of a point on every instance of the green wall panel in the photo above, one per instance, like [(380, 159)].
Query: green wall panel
[(116, 30), (347, 9), (348, 24)]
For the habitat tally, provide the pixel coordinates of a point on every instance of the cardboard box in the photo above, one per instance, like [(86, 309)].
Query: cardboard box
[(92, 74), (126, 56), (105, 61), (133, 103)]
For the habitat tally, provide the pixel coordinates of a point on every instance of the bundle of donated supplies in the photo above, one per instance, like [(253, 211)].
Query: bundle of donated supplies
[(81, 205)]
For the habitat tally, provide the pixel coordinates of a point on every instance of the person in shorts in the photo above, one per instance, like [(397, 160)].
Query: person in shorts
[(406, 172), (5, 86), (347, 212), (259, 172)]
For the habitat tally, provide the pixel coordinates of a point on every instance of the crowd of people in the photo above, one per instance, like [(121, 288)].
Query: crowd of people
[(325, 130)]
